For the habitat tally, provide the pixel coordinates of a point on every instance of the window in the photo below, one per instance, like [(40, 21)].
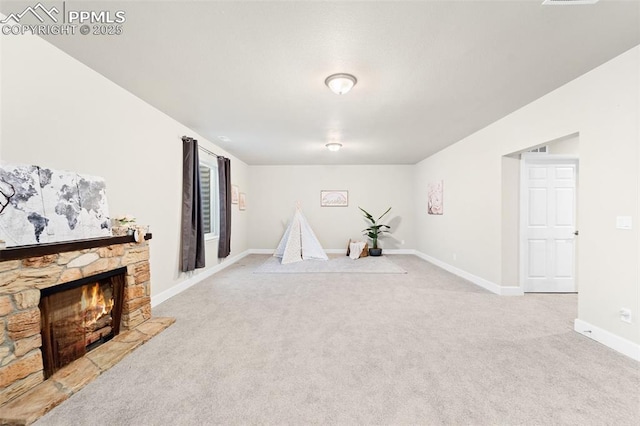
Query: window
[(209, 193)]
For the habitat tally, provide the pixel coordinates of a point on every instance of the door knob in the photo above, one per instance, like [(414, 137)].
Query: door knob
[(576, 232)]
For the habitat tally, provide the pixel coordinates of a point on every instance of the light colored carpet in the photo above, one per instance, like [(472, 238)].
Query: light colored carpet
[(422, 348), (335, 264)]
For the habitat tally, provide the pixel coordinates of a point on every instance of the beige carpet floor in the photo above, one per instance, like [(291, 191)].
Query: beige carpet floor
[(423, 348)]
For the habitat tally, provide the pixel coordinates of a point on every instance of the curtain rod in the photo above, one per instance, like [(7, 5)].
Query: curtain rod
[(204, 149), (208, 152)]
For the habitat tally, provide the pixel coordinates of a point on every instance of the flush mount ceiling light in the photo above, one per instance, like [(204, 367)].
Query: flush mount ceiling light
[(334, 146), (340, 83)]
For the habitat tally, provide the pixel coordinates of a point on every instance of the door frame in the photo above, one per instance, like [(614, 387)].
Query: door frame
[(541, 158)]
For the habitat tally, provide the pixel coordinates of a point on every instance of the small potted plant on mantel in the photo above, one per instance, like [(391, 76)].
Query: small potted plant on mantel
[(374, 231), (123, 225)]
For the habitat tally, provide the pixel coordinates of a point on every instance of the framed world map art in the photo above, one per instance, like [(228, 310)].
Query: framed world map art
[(41, 205)]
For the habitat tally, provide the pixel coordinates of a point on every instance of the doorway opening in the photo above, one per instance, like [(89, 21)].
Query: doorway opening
[(539, 217)]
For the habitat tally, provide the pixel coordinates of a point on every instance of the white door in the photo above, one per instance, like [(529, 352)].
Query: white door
[(549, 225)]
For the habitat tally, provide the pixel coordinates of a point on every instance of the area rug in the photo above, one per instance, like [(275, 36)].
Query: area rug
[(339, 264)]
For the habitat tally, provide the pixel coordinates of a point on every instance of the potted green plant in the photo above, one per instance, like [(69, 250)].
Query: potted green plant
[(374, 231)]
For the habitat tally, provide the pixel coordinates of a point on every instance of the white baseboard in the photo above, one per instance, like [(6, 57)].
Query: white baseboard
[(486, 284), (195, 279), (337, 251), (615, 342), (261, 251), (399, 251), (384, 251)]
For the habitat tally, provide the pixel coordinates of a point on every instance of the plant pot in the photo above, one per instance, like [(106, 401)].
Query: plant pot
[(375, 252)]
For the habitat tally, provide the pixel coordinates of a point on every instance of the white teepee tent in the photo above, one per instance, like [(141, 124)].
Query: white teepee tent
[(299, 242)]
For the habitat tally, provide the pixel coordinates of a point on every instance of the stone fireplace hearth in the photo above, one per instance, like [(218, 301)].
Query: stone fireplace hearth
[(24, 272)]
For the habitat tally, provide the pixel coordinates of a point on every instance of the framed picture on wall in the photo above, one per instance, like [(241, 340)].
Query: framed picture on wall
[(334, 198), (435, 197), (242, 201), (234, 194)]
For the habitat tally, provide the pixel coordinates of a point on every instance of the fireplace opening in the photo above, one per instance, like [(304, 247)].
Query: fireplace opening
[(79, 316)]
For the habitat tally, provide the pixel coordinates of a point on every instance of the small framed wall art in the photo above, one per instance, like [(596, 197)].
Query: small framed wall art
[(334, 198), (435, 197), (242, 201), (234, 194)]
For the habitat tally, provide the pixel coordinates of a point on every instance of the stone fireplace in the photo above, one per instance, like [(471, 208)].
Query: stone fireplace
[(79, 316), (88, 292)]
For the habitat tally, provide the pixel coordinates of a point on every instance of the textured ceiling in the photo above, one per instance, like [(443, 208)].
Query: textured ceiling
[(429, 73)]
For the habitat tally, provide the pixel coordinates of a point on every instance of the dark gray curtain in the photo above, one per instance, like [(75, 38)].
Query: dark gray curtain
[(192, 249), (224, 181)]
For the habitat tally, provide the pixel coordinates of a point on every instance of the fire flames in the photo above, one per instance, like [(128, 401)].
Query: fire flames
[(94, 304)]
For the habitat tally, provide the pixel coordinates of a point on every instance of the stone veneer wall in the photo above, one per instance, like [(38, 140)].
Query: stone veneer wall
[(21, 366)]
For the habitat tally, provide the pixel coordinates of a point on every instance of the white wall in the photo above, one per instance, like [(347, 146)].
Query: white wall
[(510, 221), (1, 101), (566, 146), (59, 113), (602, 106), (275, 190)]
